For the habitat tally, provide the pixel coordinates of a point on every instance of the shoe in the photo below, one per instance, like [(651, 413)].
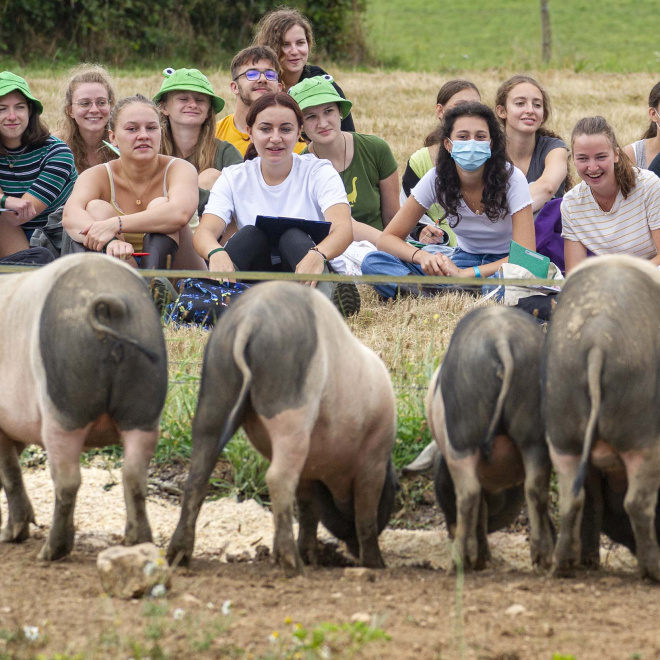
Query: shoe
[(163, 293), (346, 298)]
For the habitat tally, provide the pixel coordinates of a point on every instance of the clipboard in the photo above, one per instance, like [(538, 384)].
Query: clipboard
[(537, 264), (275, 226)]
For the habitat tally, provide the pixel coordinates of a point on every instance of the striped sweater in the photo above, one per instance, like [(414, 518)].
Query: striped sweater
[(624, 229), (47, 172)]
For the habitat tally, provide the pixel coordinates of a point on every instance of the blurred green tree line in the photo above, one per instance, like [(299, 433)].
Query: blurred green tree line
[(192, 32)]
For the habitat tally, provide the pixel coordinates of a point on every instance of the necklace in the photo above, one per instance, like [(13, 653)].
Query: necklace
[(313, 150), (16, 159), (476, 208), (138, 201)]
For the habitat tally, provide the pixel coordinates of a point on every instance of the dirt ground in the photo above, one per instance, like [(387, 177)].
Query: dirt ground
[(506, 612)]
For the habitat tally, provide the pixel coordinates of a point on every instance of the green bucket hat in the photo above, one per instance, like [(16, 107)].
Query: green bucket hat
[(10, 82), (189, 80), (318, 91)]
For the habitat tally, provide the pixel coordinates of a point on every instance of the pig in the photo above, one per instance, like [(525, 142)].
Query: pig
[(83, 364), (316, 403), (602, 398), (484, 411)]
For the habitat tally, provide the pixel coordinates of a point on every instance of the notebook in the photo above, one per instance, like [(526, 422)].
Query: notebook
[(275, 226), (537, 264)]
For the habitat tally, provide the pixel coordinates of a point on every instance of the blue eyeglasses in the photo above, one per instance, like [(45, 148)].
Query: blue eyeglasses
[(255, 74)]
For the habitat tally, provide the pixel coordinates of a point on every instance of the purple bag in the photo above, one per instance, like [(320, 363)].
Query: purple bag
[(547, 225)]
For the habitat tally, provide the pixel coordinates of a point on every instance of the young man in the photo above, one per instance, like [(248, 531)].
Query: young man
[(248, 87)]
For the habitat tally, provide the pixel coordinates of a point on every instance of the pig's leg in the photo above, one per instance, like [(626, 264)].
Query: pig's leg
[(308, 520), (64, 448), (592, 519), (483, 549), (468, 496), (289, 433), (537, 487), (139, 447), (20, 508), (643, 470), (206, 433), (368, 486), (567, 550)]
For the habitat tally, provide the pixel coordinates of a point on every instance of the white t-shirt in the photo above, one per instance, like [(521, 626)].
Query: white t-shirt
[(241, 193), (477, 234), (624, 229)]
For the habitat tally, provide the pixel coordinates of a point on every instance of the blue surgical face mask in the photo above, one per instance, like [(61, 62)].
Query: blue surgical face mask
[(470, 155)]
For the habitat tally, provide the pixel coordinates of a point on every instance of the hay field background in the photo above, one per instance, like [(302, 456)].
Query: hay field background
[(410, 335)]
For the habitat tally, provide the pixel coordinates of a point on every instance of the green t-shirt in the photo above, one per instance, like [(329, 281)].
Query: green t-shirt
[(372, 162)]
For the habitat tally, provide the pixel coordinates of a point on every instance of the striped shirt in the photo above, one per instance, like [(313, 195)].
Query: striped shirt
[(625, 229), (47, 172)]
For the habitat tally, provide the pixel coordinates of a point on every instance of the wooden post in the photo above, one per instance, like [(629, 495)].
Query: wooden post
[(546, 53)]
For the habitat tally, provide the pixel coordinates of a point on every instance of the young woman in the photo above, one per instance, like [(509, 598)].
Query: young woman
[(523, 107), (277, 182), (37, 170), (616, 207), (643, 152), (365, 163), (88, 101), (188, 107), (142, 200), (289, 34), (433, 227), (485, 198)]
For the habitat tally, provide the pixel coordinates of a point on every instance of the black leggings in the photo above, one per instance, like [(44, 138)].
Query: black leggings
[(249, 249), (161, 248)]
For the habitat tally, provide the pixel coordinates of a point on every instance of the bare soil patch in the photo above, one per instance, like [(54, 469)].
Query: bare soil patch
[(426, 613)]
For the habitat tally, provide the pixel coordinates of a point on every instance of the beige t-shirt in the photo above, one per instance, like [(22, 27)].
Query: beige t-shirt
[(625, 229)]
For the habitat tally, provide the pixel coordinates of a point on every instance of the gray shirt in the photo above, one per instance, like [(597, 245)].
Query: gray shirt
[(544, 145)]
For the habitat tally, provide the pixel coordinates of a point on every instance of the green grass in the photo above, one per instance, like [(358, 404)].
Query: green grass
[(611, 35)]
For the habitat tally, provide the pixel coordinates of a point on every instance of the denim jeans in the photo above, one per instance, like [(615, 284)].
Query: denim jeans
[(383, 263)]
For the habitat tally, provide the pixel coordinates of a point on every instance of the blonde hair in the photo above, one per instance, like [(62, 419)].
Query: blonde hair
[(203, 155), (85, 73)]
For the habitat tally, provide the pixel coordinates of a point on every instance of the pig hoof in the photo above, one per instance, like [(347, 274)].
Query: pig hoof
[(15, 533), (563, 570), (651, 573), (591, 561), (51, 554), (177, 557)]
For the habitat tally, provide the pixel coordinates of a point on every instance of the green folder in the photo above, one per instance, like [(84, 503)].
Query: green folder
[(534, 262)]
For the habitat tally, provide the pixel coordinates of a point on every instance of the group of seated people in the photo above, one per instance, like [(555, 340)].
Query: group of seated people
[(159, 184)]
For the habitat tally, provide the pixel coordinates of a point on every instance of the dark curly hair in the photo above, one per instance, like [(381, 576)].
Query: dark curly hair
[(497, 171)]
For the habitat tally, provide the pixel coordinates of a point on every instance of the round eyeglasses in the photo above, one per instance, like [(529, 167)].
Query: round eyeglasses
[(255, 74), (88, 103)]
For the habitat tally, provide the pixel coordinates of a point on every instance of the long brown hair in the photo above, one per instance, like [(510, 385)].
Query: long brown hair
[(501, 96), (85, 73), (267, 101), (275, 24), (449, 89), (654, 102), (203, 154), (624, 172)]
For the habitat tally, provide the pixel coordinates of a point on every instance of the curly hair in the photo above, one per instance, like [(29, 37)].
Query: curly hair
[(449, 89), (654, 102), (85, 73), (625, 174), (497, 170), (275, 24)]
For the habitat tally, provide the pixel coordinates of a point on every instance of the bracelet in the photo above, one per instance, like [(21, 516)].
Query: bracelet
[(218, 249), (477, 272), (108, 243), (3, 199), (412, 259), (121, 229), (315, 249)]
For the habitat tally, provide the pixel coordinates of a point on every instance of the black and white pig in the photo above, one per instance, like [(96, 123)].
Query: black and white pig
[(317, 403), (601, 373), (484, 411), (82, 364)]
